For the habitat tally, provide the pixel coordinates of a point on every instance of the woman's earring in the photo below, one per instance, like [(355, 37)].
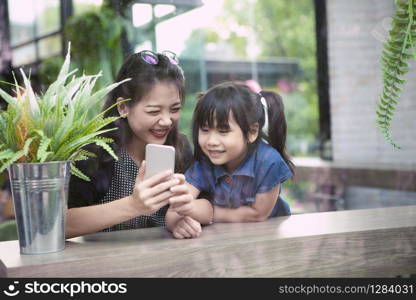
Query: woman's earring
[(124, 115)]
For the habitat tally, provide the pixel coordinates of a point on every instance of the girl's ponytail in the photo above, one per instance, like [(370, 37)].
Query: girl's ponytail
[(277, 128)]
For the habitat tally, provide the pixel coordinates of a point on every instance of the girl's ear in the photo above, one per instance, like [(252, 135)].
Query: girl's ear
[(122, 108), (253, 132)]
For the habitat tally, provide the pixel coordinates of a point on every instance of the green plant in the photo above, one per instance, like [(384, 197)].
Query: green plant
[(54, 126), (99, 47), (8, 230), (395, 56)]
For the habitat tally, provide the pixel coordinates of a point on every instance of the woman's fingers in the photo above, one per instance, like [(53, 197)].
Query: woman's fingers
[(180, 200), (163, 181), (162, 187), (154, 192), (180, 176), (180, 189), (147, 192), (160, 199), (155, 180), (182, 205)]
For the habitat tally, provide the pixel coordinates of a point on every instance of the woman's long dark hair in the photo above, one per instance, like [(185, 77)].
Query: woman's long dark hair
[(217, 103), (143, 78)]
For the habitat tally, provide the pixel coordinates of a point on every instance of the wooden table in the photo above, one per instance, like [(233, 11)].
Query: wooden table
[(357, 243)]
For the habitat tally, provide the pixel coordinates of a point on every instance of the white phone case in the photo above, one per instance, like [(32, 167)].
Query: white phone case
[(159, 158)]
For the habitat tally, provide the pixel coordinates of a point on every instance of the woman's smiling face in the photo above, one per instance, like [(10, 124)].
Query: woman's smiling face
[(152, 118)]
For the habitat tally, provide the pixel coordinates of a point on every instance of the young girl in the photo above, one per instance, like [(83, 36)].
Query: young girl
[(118, 197), (240, 159)]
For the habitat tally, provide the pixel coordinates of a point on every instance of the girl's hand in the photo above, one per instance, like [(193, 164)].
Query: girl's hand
[(183, 201), (153, 193), (187, 228)]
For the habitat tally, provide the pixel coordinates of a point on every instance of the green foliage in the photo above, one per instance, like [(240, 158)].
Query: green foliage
[(96, 38), (287, 29), (8, 230), (283, 29), (302, 115), (194, 43), (185, 124), (54, 126), (295, 193), (394, 60)]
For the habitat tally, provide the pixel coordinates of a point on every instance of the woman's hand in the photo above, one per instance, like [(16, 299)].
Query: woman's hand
[(153, 193), (183, 201), (187, 227)]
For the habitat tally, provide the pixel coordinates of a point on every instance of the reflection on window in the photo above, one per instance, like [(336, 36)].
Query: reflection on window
[(147, 45), (163, 10), (33, 24), (21, 21), (82, 6), (24, 55), (47, 17), (50, 46), (142, 14)]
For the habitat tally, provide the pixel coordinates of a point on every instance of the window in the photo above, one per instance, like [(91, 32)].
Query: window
[(81, 6), (34, 30)]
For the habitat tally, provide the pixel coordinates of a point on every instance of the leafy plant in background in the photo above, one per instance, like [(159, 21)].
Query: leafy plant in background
[(96, 38), (54, 126), (282, 26), (395, 56)]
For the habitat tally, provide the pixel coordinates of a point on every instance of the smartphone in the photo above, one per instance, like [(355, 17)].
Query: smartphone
[(159, 158)]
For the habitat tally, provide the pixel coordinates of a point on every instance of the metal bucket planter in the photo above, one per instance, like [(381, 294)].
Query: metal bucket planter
[(40, 194)]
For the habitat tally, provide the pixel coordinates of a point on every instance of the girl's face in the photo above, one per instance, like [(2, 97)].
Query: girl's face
[(152, 118), (225, 146)]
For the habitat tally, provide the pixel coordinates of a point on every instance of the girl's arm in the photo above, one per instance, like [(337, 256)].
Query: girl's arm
[(259, 211)]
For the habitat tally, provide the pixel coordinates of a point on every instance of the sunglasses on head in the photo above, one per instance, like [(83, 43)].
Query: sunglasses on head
[(151, 57)]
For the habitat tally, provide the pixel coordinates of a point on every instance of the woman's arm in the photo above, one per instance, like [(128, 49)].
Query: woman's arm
[(148, 197), (257, 212), (90, 219)]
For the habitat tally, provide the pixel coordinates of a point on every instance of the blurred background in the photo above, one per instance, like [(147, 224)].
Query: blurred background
[(322, 57)]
